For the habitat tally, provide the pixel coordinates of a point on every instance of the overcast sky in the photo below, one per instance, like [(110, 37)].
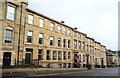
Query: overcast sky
[(96, 18)]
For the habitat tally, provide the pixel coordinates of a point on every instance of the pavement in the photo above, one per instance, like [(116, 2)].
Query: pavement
[(12, 70)]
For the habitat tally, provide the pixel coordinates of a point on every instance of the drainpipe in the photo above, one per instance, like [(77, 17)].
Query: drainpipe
[(24, 37), (19, 35)]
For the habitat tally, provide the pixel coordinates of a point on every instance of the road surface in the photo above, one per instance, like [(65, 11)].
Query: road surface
[(99, 73)]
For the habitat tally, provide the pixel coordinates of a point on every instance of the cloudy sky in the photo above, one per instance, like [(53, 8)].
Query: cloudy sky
[(96, 18)]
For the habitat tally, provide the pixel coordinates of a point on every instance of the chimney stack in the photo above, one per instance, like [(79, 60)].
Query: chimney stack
[(62, 21), (75, 28)]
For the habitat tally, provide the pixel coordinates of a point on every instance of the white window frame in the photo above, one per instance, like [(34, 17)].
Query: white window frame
[(59, 29), (29, 34), (69, 55), (41, 37), (79, 45), (52, 39), (69, 42), (83, 46), (64, 31), (59, 55), (10, 13), (40, 54), (64, 55), (64, 43), (69, 33), (59, 43), (54, 55), (52, 26), (75, 45), (41, 22), (48, 55), (8, 36), (79, 36), (30, 19), (75, 35)]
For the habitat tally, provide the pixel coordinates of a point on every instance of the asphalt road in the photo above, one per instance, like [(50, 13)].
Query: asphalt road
[(96, 73)]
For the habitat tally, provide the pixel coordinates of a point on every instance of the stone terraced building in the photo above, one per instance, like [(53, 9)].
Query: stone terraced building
[(33, 39)]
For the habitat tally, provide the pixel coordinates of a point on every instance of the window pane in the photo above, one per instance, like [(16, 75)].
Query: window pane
[(48, 55), (68, 55), (54, 55), (29, 37), (68, 43), (40, 35), (11, 10), (10, 16), (68, 32), (51, 26), (8, 36), (64, 55), (75, 44), (10, 13), (64, 31), (40, 51), (64, 43), (59, 55), (40, 38), (59, 29), (51, 38), (59, 42), (51, 41), (29, 33), (30, 19), (40, 54), (41, 23)]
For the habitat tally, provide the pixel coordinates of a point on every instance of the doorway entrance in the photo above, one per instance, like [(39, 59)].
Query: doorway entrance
[(7, 59), (102, 62), (87, 59), (28, 56)]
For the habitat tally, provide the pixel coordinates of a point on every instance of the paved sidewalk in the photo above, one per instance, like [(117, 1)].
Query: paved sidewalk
[(12, 70), (33, 69)]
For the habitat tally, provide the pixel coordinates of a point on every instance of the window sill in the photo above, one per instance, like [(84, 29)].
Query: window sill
[(30, 24), (51, 46), (29, 43), (40, 44), (10, 20), (8, 44)]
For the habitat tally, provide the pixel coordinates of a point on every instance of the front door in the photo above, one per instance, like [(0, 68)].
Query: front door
[(27, 58), (102, 62), (87, 59), (7, 59)]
